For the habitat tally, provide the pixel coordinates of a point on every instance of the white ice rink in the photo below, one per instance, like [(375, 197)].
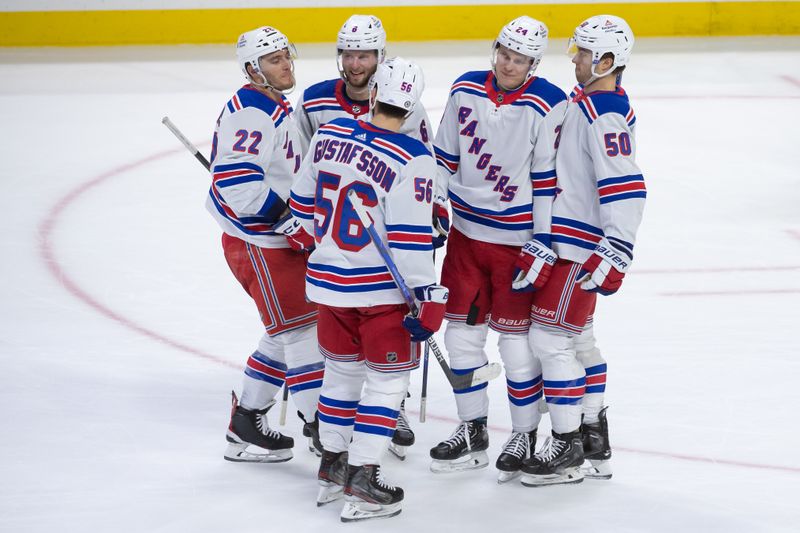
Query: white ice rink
[(122, 331)]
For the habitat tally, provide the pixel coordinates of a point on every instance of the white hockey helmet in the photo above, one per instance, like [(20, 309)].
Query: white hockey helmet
[(526, 36), (362, 32), (399, 82), (257, 43), (603, 34)]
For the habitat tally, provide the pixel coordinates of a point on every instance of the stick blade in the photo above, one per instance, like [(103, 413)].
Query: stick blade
[(486, 373)]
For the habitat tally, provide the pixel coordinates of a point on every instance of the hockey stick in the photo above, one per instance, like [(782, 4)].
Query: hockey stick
[(457, 381), (186, 142), (423, 398), (284, 403)]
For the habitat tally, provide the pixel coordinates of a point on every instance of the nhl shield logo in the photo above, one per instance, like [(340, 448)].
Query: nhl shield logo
[(391, 357), (357, 109)]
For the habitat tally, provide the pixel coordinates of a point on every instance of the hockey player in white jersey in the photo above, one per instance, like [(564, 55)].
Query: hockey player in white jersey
[(255, 156), (365, 332), (495, 148), (595, 218), (360, 48)]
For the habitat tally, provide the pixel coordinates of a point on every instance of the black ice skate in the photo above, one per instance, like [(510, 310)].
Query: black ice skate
[(311, 431), (251, 428), (332, 477), (464, 450), (557, 463), (517, 448), (596, 448), (367, 495), (403, 435)]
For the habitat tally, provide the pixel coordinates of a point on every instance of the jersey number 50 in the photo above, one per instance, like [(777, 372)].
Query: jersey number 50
[(347, 231), (617, 144)]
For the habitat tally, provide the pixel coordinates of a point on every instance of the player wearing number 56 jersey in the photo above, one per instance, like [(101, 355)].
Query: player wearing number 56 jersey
[(595, 218), (495, 148), (365, 332), (255, 156)]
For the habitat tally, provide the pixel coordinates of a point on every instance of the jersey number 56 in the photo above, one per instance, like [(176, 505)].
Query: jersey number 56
[(347, 232)]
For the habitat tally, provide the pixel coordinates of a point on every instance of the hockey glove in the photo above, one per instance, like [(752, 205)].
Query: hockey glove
[(432, 300), (441, 223), (604, 270), (533, 267), (297, 237)]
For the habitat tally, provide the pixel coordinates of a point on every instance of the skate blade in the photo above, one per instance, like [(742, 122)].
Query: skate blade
[(594, 469), (398, 451), (471, 461), (505, 477), (238, 453), (313, 449), (357, 510), (568, 477), (329, 492)]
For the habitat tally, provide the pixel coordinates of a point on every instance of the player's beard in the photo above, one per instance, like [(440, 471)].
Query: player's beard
[(363, 84)]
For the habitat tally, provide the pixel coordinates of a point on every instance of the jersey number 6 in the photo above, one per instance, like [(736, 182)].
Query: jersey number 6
[(347, 231)]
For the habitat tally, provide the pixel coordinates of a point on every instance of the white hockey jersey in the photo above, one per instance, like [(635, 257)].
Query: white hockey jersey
[(254, 158), (601, 189), (393, 176), (327, 100), (496, 156)]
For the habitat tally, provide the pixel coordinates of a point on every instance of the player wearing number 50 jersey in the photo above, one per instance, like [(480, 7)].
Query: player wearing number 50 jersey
[(495, 148), (369, 340), (255, 156), (595, 218)]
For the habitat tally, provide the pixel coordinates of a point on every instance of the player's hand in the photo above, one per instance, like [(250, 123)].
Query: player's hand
[(533, 267), (297, 237), (604, 270), (441, 222), (432, 300)]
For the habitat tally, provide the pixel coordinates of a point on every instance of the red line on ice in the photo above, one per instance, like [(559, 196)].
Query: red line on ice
[(731, 293), (54, 267), (791, 80)]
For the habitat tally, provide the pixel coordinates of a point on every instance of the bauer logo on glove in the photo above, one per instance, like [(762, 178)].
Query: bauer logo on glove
[(432, 300), (604, 271), (533, 266)]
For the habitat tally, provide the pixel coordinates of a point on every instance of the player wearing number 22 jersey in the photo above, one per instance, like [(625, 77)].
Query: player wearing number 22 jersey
[(255, 156)]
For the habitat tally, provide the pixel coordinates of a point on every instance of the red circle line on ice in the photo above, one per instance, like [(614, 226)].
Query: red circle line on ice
[(53, 266)]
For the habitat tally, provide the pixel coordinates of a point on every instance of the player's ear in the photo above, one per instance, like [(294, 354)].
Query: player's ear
[(606, 63)]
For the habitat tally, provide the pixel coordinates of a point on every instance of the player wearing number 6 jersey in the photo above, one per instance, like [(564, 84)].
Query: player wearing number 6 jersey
[(495, 148), (365, 332), (595, 218), (255, 156)]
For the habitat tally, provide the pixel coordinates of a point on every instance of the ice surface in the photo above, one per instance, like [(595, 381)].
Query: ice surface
[(122, 331)]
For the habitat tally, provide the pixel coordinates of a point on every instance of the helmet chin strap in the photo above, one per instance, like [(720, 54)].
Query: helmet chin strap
[(267, 85), (596, 76)]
